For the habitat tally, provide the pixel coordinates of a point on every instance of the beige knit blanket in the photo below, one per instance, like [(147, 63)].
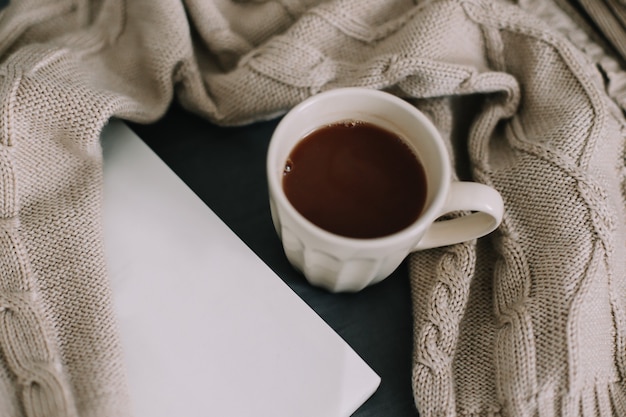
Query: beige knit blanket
[(529, 321)]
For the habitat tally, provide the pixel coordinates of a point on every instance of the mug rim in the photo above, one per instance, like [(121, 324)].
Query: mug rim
[(425, 218)]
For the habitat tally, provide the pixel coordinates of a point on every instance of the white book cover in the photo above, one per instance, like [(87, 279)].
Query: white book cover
[(206, 327)]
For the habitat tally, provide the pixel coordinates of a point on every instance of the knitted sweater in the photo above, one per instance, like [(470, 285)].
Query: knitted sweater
[(530, 320)]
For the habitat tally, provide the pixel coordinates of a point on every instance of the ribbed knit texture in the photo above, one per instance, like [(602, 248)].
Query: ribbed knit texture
[(529, 321)]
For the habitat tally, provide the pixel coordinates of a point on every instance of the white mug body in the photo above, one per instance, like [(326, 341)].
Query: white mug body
[(340, 263)]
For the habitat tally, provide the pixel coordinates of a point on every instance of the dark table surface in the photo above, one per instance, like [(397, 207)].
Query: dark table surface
[(225, 167)]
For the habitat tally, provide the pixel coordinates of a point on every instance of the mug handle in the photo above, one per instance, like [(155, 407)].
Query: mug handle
[(484, 201)]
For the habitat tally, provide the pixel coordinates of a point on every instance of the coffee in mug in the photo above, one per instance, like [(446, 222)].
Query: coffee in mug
[(355, 179)]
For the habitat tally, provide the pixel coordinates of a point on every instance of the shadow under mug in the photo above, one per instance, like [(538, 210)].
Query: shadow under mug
[(339, 263)]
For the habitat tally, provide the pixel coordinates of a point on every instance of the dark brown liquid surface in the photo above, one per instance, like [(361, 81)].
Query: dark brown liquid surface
[(355, 179)]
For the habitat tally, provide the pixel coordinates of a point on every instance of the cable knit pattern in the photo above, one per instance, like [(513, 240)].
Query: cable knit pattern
[(529, 321)]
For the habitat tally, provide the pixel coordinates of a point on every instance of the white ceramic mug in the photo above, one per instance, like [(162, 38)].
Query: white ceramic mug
[(340, 263)]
